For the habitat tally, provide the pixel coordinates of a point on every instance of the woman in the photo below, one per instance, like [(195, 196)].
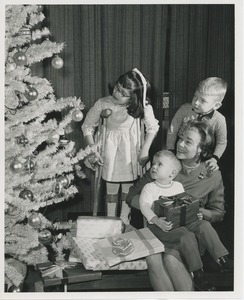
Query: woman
[(194, 147)]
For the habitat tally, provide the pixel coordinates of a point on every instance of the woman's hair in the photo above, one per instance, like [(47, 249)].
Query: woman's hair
[(132, 81), (207, 143)]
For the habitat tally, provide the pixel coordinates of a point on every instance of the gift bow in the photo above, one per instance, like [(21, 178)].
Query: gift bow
[(122, 247), (176, 200), (56, 270)]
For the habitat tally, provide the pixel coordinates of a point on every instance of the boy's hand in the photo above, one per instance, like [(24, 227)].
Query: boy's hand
[(211, 165), (161, 223)]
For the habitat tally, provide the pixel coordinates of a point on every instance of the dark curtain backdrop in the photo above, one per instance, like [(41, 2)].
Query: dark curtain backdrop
[(102, 42), (175, 46)]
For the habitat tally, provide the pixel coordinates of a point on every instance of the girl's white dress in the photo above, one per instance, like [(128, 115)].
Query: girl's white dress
[(122, 140)]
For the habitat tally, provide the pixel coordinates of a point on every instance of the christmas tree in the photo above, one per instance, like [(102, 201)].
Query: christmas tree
[(40, 163)]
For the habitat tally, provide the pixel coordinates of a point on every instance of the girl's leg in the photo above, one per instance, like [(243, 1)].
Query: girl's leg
[(111, 199), (158, 275), (181, 278), (125, 209)]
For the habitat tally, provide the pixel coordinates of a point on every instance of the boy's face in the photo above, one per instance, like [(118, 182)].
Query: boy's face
[(203, 103), (162, 168)]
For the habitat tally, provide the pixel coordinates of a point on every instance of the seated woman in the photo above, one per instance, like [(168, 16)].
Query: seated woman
[(167, 271)]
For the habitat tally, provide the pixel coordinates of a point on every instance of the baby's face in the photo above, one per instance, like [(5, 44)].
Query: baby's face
[(203, 103), (161, 169)]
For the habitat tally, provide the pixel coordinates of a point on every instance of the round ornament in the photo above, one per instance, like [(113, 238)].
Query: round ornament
[(53, 137), (64, 181), (16, 166), (45, 237), (34, 220), (39, 8), (77, 115), (14, 289), (58, 188), (26, 194), (25, 32), (30, 166), (20, 58), (57, 62), (22, 140), (31, 93)]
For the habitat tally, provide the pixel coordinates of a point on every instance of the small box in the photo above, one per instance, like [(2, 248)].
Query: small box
[(130, 246), (180, 209), (55, 274), (98, 227)]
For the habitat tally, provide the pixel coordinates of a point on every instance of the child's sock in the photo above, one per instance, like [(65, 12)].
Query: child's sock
[(111, 205), (125, 210)]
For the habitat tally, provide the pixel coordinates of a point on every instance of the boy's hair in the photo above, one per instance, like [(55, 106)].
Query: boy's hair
[(170, 155), (213, 86)]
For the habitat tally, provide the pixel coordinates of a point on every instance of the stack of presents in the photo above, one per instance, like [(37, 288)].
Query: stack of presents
[(104, 244)]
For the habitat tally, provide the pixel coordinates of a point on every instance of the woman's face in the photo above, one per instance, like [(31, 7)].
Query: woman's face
[(188, 144)]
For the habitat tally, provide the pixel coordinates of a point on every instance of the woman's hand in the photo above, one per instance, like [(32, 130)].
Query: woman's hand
[(162, 223), (207, 214), (200, 216), (93, 161)]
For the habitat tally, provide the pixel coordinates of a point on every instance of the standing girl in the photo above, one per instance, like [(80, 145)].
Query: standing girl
[(125, 145)]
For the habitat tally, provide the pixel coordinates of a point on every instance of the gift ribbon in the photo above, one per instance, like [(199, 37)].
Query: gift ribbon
[(58, 270), (122, 247)]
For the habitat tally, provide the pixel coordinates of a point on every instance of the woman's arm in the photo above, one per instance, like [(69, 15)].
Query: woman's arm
[(214, 208), (136, 189)]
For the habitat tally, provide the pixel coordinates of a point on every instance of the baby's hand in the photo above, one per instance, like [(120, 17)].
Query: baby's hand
[(163, 224), (199, 216), (211, 165)]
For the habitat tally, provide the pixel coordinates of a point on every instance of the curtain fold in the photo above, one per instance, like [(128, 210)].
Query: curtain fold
[(201, 45), (186, 42)]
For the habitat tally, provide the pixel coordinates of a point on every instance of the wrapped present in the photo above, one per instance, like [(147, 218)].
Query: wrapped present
[(180, 209), (130, 246), (60, 273), (87, 251), (98, 227)]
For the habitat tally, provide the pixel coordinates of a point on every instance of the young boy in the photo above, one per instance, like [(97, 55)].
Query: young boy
[(207, 99), (164, 169)]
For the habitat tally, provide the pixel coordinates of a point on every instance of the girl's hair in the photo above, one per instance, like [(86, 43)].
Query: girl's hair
[(207, 143), (132, 81)]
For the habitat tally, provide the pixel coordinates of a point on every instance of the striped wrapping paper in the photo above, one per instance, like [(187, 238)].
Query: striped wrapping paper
[(143, 242)]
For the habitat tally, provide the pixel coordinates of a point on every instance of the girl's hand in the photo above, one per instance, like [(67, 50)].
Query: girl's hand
[(162, 223), (143, 158), (200, 216), (211, 165), (93, 161)]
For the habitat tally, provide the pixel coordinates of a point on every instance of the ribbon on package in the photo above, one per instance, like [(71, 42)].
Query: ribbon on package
[(57, 269), (122, 247)]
